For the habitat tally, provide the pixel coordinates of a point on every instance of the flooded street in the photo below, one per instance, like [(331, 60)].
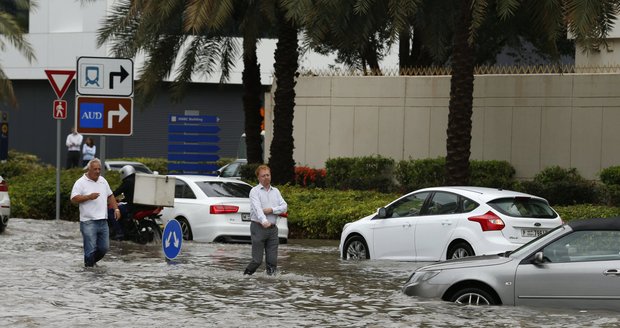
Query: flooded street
[(44, 284)]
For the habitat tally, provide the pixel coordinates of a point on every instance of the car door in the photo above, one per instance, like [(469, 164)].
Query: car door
[(393, 235), (434, 228), (581, 270)]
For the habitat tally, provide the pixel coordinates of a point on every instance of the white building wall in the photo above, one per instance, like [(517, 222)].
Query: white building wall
[(531, 121)]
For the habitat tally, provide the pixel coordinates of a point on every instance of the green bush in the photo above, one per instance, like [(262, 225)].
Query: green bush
[(322, 213), (33, 195), (610, 175), (562, 187), (492, 174), (360, 173), (420, 173), (20, 163), (586, 211)]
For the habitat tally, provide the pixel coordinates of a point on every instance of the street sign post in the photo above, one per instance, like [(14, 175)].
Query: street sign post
[(171, 239), (59, 110), (102, 76), (60, 80), (104, 101), (104, 115)]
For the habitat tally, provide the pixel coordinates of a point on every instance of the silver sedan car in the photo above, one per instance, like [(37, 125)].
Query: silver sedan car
[(576, 265)]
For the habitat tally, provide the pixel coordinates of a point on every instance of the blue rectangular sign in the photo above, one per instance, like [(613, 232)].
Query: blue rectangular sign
[(193, 119), (193, 128), (91, 115), (192, 167), (193, 157), (193, 138), (193, 148)]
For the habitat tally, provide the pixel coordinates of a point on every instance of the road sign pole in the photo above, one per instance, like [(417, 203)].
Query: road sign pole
[(58, 169), (102, 153)]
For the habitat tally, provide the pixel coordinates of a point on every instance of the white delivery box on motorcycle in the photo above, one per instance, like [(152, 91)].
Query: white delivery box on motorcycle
[(153, 189)]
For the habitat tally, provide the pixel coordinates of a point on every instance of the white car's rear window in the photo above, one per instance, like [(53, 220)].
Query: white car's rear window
[(524, 207), (224, 189)]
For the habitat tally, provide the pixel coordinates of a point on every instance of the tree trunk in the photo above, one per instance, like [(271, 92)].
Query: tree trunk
[(252, 101), (461, 99), (285, 67)]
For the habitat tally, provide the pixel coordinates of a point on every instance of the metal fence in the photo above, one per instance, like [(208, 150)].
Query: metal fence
[(478, 70)]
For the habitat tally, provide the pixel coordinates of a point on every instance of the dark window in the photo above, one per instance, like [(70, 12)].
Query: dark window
[(523, 207), (410, 205), (224, 189), (584, 246), (444, 203), (182, 190)]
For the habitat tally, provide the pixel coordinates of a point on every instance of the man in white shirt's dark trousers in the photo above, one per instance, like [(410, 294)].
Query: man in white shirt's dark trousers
[(74, 154), (266, 204)]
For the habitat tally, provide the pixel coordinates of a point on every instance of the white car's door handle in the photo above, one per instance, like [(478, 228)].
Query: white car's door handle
[(612, 272), (446, 223)]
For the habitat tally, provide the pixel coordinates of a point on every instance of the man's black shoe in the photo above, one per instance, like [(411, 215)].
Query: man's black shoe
[(247, 272)]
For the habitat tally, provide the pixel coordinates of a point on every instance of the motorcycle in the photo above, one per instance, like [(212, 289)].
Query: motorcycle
[(143, 227)]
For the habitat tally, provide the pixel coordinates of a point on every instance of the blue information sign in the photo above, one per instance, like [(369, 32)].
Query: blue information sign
[(172, 238)]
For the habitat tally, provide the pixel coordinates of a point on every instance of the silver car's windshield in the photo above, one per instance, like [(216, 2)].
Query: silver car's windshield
[(533, 244)]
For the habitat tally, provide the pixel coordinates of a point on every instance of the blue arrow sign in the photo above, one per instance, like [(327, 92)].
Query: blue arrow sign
[(193, 128), (193, 148), (172, 238), (193, 119)]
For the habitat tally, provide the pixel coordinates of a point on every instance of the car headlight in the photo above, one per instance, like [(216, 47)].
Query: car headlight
[(420, 276)]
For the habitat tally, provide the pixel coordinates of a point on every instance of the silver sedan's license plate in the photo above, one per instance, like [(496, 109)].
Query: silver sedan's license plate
[(245, 216), (532, 232)]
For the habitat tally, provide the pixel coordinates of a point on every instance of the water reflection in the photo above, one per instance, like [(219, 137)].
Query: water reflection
[(45, 284)]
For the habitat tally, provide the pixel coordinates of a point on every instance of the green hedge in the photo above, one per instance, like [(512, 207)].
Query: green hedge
[(33, 195), (361, 173), (321, 213), (561, 186)]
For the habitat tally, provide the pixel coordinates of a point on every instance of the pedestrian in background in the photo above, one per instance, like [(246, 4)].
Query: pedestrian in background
[(88, 150), (93, 194), (74, 141), (266, 204)]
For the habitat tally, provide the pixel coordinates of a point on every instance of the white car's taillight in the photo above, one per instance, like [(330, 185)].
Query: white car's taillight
[(489, 221), (223, 209)]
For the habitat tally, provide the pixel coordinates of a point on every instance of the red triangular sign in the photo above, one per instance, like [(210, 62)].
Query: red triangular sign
[(58, 78)]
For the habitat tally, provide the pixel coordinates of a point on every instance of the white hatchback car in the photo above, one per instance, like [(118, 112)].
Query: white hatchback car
[(214, 209), (435, 224), (5, 204)]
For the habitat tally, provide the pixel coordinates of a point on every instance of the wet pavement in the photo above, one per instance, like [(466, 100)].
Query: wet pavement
[(44, 284)]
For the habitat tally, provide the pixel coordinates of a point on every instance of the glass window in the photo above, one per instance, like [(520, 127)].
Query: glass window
[(410, 205), (231, 170), (469, 205), (583, 246), (523, 207), (182, 190), (224, 189), (443, 203)]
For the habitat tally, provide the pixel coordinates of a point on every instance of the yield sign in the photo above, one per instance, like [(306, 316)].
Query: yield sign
[(59, 78)]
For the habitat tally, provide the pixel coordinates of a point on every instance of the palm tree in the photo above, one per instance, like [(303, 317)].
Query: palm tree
[(12, 32), (432, 21), (203, 34), (286, 63)]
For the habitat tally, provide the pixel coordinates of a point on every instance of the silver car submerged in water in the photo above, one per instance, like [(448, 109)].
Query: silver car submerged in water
[(576, 265)]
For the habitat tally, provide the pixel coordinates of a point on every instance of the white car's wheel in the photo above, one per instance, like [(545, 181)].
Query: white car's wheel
[(459, 250), (186, 229), (356, 249)]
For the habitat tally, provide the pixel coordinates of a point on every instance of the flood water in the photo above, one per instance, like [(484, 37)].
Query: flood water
[(44, 284)]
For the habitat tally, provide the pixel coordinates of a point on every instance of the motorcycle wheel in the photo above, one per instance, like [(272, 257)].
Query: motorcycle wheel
[(152, 233)]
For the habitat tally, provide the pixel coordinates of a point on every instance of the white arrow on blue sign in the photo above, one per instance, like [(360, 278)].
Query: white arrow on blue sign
[(172, 238)]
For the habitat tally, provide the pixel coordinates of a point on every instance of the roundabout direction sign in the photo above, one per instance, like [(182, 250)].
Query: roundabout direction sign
[(171, 239)]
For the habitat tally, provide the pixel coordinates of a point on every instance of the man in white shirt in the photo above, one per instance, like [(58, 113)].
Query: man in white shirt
[(74, 141), (93, 194), (266, 204)]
